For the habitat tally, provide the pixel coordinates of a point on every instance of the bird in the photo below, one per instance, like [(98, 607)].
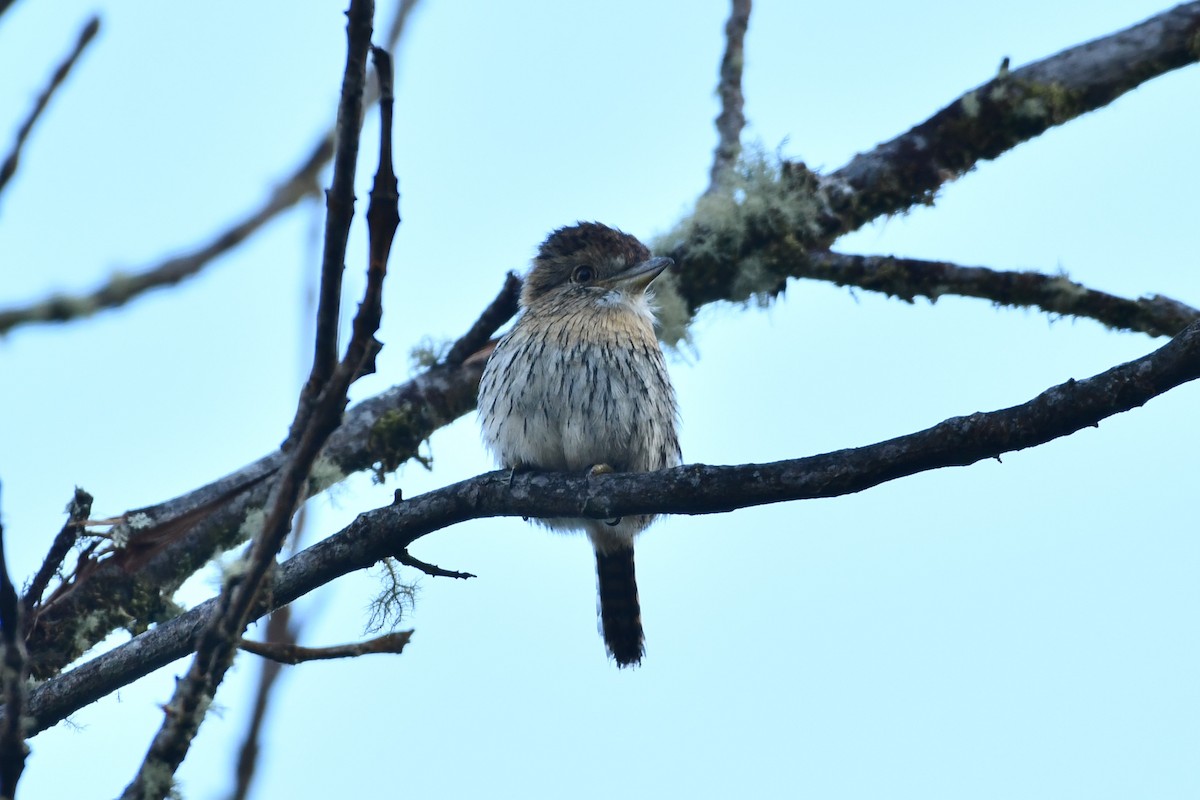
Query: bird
[(579, 383)]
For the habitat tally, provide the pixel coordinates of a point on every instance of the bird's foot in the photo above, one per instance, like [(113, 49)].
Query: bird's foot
[(513, 470), (605, 469)]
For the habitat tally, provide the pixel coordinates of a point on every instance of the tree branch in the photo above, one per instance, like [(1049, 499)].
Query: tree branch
[(304, 181), (122, 288), (9, 167), (739, 247), (78, 511), (731, 120), (432, 570), (318, 414), (908, 278), (692, 489), (278, 632), (12, 681), (293, 654), (500, 311), (170, 541), (1010, 109)]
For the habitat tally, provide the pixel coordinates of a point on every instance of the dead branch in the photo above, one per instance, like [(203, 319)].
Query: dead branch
[(295, 654)]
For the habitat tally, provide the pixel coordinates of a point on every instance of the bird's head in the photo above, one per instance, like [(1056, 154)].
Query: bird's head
[(587, 257)]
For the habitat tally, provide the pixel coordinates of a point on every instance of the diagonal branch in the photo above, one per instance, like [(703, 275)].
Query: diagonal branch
[(302, 182), (908, 278), (9, 167), (694, 489), (121, 289), (498, 312), (1010, 109)]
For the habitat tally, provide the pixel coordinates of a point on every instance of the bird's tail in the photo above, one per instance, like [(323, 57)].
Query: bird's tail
[(620, 612)]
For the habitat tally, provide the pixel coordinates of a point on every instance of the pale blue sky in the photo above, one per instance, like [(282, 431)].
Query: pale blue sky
[(1025, 629)]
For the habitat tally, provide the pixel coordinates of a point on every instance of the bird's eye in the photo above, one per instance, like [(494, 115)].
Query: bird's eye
[(582, 274)]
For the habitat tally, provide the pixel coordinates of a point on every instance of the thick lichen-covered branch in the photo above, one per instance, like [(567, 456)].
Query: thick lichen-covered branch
[(746, 241), (1010, 109)]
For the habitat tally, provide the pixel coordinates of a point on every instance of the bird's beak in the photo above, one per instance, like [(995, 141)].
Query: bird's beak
[(639, 276)]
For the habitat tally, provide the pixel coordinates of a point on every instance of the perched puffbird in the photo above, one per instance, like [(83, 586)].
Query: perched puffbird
[(580, 383)]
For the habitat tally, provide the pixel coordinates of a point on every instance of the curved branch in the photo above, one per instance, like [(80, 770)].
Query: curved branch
[(908, 278), (693, 489), (121, 289)]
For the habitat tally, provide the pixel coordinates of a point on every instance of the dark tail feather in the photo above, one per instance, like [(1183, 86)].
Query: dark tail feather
[(620, 613)]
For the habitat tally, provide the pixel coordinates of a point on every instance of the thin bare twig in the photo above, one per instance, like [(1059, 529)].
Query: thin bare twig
[(1013, 107), (731, 120), (9, 167), (409, 560), (121, 289), (692, 489), (295, 654), (12, 681)]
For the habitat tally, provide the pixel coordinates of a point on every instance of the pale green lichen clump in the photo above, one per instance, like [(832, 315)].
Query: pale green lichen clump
[(324, 473), (252, 524), (739, 242), (428, 352), (670, 310)]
